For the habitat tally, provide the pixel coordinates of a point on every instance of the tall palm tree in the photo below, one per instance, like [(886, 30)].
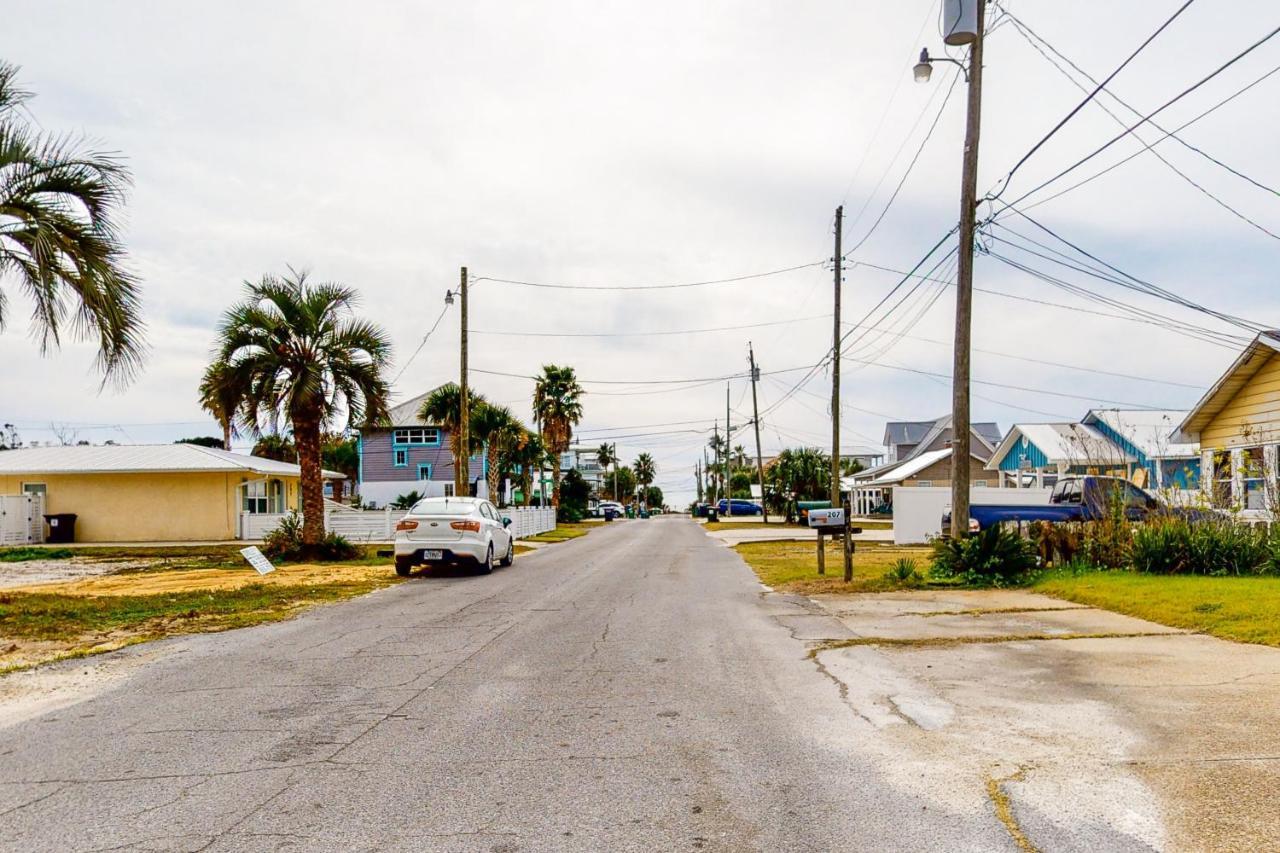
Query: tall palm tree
[(605, 457), (557, 402), (528, 452), (272, 445), (304, 356), (60, 242), (443, 407), (497, 428), (222, 395), (645, 470)]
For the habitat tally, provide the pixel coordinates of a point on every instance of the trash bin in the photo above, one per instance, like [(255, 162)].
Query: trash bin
[(62, 526), (712, 514)]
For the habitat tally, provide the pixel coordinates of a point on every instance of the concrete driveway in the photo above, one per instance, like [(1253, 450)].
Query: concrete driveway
[(1136, 735)]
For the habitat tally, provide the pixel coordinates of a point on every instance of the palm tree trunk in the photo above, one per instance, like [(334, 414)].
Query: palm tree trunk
[(461, 465), (493, 469), (226, 434), (555, 482), (306, 435)]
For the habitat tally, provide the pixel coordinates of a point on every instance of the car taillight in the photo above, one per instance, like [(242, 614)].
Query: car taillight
[(406, 525), (473, 526)]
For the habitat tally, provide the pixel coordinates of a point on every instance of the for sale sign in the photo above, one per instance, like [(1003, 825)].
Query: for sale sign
[(826, 518)]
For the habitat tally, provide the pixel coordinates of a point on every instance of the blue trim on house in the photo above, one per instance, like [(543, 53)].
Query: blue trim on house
[(395, 457), (401, 445), (1124, 444), (424, 466), (1022, 449)]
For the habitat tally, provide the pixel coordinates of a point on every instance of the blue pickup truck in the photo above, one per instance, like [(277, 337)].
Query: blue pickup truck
[(1085, 498)]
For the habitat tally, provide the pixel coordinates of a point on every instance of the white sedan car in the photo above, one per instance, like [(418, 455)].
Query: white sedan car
[(451, 530)]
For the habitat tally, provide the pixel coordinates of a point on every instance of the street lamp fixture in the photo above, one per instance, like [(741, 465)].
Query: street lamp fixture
[(923, 69), (448, 297)]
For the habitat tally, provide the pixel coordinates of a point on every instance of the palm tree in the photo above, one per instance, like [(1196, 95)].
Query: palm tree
[(221, 395), (740, 455), (443, 407), (497, 428), (341, 454), (605, 457), (528, 452), (557, 404), (306, 358), (59, 240), (275, 446), (645, 470)]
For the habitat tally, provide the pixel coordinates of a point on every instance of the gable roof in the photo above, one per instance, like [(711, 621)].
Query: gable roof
[(406, 413), (901, 471), (1153, 432), (1065, 443), (141, 458), (922, 433), (1250, 361), (906, 432)]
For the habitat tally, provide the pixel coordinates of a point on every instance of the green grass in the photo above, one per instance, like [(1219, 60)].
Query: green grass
[(1245, 609), (793, 566), (562, 533), (27, 553)]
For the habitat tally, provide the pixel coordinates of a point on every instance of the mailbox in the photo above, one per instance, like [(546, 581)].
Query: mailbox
[(826, 517)]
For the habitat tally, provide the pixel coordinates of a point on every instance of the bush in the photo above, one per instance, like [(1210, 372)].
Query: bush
[(284, 544), (566, 514), (992, 557), (1173, 545), (905, 571)]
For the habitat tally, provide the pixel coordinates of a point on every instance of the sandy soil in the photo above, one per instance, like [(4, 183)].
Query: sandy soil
[(14, 575), (149, 583)]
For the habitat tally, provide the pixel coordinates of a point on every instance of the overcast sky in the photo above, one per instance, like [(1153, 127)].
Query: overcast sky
[(384, 145)]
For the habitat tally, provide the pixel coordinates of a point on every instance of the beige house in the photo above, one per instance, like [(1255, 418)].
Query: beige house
[(151, 493), (1238, 426)]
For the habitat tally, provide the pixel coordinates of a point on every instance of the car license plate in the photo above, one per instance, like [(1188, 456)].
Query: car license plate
[(433, 555)]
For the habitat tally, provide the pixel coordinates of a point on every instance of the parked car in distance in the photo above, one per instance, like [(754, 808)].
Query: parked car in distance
[(611, 507), (1077, 498), (437, 531), (739, 506)]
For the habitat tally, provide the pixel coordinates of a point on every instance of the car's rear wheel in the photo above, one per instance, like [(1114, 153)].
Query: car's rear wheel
[(486, 565), (404, 565), (511, 554)]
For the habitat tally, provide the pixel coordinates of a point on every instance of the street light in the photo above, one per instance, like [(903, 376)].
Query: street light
[(448, 297), (923, 69)]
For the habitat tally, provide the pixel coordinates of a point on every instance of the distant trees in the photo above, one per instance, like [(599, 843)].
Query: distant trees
[(803, 473), (221, 395), (626, 480), (341, 453), (645, 469), (498, 428), (557, 404), (201, 441), (653, 497), (300, 355), (60, 241), (274, 446), (443, 407)]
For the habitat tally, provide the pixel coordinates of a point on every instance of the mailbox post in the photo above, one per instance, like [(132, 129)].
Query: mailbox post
[(834, 522)]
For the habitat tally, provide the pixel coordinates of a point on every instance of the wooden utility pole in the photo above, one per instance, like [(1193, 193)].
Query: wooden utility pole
[(615, 470), (728, 465), (462, 464), (835, 364), (960, 429), (755, 419), (716, 470)]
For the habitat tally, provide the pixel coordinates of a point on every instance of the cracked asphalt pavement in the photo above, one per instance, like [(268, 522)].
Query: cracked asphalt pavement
[(630, 690)]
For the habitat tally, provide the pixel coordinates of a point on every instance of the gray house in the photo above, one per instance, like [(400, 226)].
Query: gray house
[(411, 455)]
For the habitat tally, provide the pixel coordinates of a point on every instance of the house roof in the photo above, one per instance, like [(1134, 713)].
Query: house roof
[(141, 458), (920, 433), (1152, 431), (1066, 443), (901, 471), (406, 413), (1249, 362)]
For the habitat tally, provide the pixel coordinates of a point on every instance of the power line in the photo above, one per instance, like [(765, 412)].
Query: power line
[(1146, 118), (731, 280), (1004, 183), (421, 343), (651, 333)]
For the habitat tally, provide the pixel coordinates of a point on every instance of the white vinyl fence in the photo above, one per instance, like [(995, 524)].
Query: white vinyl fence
[(917, 510), (21, 519), (380, 525)]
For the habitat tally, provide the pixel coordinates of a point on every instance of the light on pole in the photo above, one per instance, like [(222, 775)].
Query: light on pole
[(966, 19)]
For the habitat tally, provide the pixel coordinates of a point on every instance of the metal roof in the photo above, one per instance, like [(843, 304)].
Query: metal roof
[(1066, 443), (141, 458), (900, 471), (916, 432), (407, 413), (1255, 355), (1152, 431)]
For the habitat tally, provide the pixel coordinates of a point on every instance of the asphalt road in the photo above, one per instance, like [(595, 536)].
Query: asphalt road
[(630, 690)]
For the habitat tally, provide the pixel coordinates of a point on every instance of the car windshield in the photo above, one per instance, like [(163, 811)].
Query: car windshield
[(443, 506)]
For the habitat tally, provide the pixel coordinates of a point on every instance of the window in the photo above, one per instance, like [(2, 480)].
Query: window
[(1252, 474), (1221, 498), (401, 458), (416, 435), (424, 471), (924, 484), (34, 489), (448, 490), (263, 496)]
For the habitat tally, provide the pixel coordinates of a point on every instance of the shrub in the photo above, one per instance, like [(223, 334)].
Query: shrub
[(992, 557), (905, 571), (285, 544), (567, 514), (1174, 545)]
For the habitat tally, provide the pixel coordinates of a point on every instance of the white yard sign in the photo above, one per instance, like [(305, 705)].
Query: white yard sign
[(257, 559)]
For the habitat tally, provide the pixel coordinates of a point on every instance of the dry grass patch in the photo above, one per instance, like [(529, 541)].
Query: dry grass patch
[(793, 566), (562, 533)]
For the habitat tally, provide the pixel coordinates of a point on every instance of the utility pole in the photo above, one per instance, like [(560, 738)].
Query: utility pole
[(697, 478), (615, 470), (462, 465), (960, 430), (755, 418), (727, 457), (835, 364), (706, 473)]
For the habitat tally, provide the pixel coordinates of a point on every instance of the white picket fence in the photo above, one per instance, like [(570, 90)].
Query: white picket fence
[(21, 519), (380, 525)]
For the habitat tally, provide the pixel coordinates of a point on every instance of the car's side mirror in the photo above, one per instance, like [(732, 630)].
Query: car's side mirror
[(506, 522)]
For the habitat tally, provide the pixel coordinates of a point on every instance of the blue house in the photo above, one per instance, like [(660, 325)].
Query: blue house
[(411, 455)]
